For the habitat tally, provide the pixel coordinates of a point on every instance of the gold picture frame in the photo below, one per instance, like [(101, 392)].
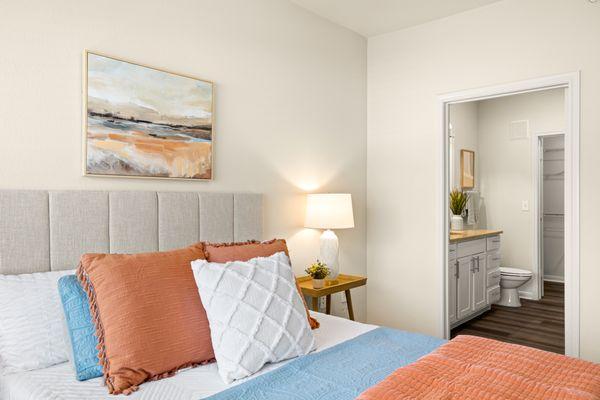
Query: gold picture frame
[(168, 135), (467, 169)]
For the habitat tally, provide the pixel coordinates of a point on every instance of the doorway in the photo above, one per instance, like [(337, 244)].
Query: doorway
[(570, 83), (549, 171)]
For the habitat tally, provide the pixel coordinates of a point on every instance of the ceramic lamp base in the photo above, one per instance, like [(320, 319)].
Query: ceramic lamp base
[(330, 250)]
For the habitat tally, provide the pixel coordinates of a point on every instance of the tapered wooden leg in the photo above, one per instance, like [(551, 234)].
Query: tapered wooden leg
[(328, 304), (349, 304), (315, 304)]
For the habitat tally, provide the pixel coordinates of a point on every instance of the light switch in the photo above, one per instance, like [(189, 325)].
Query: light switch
[(525, 205)]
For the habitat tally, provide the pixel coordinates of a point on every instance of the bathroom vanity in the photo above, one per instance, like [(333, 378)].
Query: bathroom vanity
[(473, 273)]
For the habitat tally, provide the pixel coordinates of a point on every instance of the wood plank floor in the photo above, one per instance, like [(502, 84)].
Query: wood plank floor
[(539, 324)]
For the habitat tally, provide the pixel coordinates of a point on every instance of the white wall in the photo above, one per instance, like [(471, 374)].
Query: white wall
[(290, 101), (463, 117), (505, 169), (507, 41)]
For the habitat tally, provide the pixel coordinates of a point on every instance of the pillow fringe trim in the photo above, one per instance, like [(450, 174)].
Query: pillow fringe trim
[(246, 243), (87, 286)]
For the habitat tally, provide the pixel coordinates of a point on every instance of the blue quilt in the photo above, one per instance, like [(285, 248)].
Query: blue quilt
[(340, 372)]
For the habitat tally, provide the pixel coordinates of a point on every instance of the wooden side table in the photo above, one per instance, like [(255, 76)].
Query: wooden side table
[(343, 283)]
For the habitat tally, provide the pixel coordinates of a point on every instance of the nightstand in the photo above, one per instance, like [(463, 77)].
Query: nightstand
[(343, 283)]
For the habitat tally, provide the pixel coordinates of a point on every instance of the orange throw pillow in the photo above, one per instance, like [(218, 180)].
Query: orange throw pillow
[(225, 252), (149, 319)]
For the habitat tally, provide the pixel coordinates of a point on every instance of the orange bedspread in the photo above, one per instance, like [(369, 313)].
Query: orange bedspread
[(470, 367)]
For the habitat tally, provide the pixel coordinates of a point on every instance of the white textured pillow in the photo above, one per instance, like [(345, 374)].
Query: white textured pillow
[(255, 313), (31, 322)]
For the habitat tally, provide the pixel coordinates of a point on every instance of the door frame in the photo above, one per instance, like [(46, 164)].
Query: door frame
[(538, 209), (571, 83)]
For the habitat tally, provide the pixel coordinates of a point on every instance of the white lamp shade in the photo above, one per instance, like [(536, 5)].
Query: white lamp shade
[(329, 211)]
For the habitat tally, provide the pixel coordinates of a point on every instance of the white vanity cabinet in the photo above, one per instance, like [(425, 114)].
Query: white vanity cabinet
[(493, 276), (479, 282), (452, 273), (473, 277), (464, 287)]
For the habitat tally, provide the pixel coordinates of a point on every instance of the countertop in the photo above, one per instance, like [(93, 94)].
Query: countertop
[(460, 236)]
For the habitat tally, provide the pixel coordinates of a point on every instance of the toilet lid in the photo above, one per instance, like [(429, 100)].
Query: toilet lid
[(515, 271)]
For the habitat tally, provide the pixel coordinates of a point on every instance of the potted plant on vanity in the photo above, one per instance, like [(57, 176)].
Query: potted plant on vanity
[(318, 272), (458, 203)]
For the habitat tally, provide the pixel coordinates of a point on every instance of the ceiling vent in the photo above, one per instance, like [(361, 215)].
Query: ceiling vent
[(518, 130)]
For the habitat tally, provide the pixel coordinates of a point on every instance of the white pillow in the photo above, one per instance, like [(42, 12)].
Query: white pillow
[(255, 313), (31, 322)]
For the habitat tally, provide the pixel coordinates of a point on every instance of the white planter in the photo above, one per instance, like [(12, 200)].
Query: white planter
[(456, 223), (318, 283)]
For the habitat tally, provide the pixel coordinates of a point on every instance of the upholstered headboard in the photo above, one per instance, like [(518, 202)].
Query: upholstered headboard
[(42, 231)]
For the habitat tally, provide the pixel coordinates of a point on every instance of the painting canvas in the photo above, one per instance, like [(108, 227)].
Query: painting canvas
[(145, 122)]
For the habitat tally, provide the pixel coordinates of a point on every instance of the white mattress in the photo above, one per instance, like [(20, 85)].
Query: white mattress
[(58, 381)]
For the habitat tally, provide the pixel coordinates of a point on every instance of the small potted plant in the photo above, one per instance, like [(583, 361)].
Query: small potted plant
[(458, 203), (318, 272)]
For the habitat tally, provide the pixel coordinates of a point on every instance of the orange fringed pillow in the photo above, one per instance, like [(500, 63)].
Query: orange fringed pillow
[(149, 319), (225, 252)]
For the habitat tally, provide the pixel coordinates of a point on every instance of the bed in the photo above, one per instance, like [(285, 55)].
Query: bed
[(57, 382), (44, 231)]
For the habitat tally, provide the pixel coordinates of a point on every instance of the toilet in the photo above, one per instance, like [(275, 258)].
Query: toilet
[(511, 279)]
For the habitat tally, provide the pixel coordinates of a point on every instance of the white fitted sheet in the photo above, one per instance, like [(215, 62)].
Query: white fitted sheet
[(58, 381)]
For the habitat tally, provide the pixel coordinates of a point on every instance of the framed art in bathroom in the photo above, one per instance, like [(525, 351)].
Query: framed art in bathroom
[(144, 122), (467, 169)]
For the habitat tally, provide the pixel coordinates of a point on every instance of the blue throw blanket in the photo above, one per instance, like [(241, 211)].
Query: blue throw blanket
[(340, 372)]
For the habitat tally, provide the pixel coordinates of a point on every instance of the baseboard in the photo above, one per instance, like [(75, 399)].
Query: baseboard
[(470, 317), (554, 278), (526, 295)]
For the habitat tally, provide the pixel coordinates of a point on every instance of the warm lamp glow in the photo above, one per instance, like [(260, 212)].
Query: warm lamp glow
[(329, 211)]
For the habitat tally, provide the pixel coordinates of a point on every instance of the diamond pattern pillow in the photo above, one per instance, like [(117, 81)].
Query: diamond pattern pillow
[(244, 251), (255, 313)]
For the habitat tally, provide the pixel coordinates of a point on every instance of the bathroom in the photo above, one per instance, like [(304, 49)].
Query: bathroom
[(506, 171)]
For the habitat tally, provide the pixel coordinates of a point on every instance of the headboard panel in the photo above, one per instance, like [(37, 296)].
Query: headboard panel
[(42, 231)]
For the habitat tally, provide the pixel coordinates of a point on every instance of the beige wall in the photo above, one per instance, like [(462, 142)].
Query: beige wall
[(290, 101), (507, 41), (506, 170), (463, 118)]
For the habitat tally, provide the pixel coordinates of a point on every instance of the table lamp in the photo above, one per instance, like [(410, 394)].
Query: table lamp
[(329, 211)]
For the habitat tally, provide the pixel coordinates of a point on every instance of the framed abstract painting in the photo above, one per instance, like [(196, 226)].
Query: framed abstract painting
[(467, 169), (145, 122)]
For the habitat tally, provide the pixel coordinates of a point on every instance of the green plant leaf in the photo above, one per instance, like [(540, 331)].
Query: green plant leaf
[(458, 201)]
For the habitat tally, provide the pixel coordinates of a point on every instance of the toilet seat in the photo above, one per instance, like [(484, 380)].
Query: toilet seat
[(509, 271)]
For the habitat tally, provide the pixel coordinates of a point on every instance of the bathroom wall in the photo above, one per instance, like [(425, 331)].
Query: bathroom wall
[(503, 170), (505, 165), (463, 118)]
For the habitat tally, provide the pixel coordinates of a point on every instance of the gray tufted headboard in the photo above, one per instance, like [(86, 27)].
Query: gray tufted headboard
[(42, 231)]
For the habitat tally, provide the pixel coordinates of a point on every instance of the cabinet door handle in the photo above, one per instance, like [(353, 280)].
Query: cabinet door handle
[(475, 268), (457, 273)]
